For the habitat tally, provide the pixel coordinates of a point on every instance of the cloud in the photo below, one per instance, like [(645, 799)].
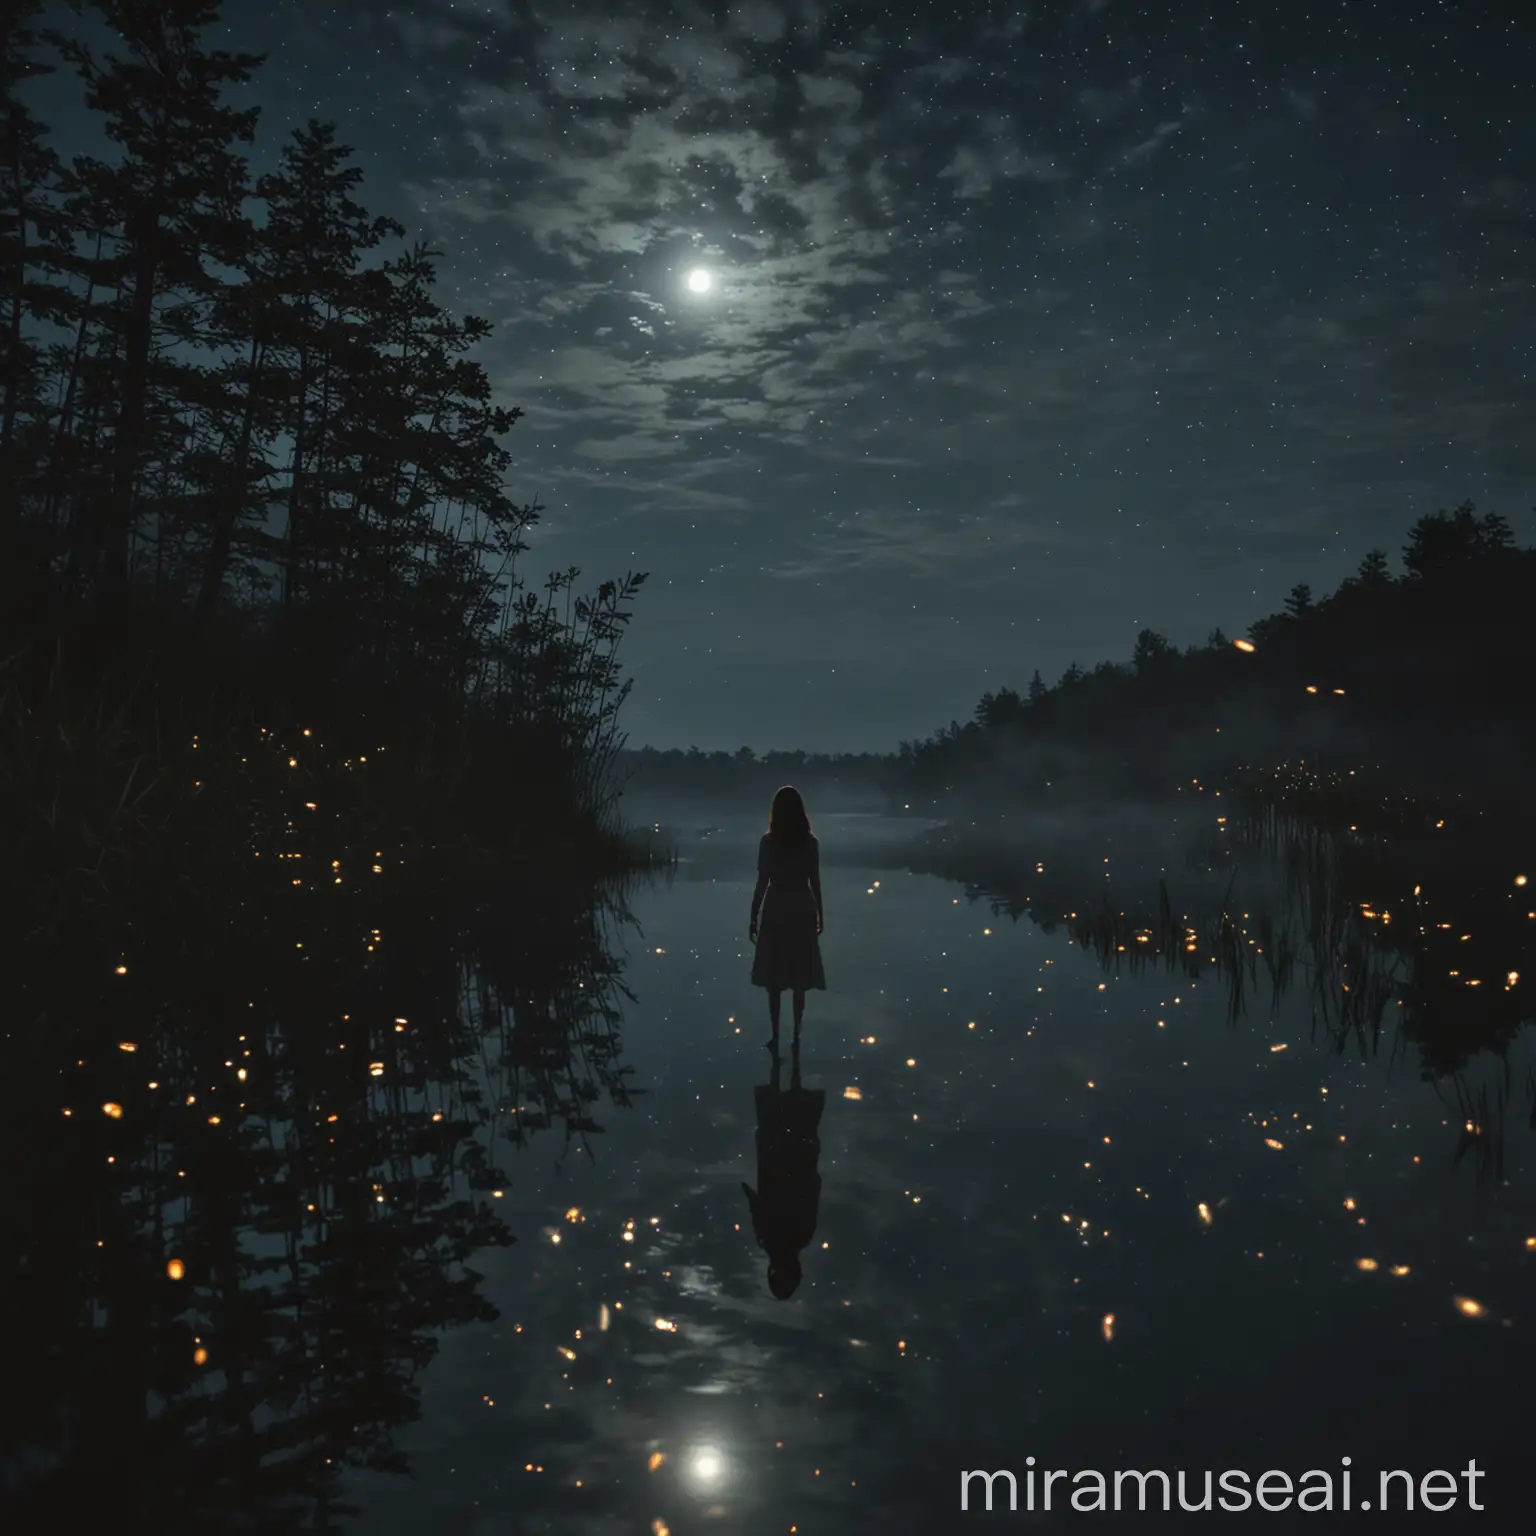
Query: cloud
[(1154, 141), (617, 152), (997, 155)]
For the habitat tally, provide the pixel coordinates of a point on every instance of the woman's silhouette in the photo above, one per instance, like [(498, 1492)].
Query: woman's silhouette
[(788, 954), (785, 1203)]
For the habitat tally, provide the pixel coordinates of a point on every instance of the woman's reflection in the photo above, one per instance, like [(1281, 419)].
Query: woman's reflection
[(788, 1184)]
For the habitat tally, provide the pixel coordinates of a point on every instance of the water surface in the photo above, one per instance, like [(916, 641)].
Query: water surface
[(1064, 1214)]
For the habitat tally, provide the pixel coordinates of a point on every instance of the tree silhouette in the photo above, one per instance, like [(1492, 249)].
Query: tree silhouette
[(1151, 650), (169, 207), (316, 235), (1298, 601), (261, 437), (1448, 541), (34, 253), (1373, 571), (1000, 710)]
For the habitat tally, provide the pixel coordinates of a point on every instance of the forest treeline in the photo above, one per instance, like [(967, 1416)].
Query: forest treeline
[(1425, 670), (692, 771), (250, 468)]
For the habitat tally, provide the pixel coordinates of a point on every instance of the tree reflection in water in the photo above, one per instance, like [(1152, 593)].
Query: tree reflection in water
[(1410, 936), (254, 1162)]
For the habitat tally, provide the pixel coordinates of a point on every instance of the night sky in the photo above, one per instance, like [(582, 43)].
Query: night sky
[(1028, 327)]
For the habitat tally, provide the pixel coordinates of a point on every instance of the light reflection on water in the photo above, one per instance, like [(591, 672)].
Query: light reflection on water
[(1028, 1148)]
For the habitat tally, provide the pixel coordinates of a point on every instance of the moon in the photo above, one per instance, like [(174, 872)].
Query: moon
[(700, 280), (708, 1464)]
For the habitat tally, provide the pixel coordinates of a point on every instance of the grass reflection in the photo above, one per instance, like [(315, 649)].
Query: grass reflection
[(1403, 924), (311, 1044)]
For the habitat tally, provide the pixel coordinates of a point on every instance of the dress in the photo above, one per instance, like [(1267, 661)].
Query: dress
[(788, 953)]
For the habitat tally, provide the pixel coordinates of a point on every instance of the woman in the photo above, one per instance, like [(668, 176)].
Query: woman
[(789, 877)]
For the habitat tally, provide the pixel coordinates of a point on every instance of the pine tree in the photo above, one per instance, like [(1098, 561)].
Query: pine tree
[(1298, 602), (34, 252), (1449, 540), (1373, 571), (315, 236), (301, 269), (1151, 648), (170, 204)]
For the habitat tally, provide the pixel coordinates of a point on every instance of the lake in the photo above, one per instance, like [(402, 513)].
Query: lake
[(1065, 1213)]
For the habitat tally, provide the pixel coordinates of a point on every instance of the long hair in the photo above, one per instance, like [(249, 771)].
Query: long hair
[(787, 822)]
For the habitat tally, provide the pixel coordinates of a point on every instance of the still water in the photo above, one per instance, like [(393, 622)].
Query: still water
[(1063, 1213)]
